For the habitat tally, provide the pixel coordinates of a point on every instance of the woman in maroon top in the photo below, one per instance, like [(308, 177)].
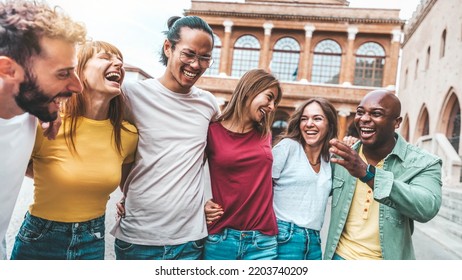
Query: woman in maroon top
[(241, 219)]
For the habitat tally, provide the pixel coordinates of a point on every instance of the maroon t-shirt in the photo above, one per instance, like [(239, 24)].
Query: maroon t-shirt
[(240, 172)]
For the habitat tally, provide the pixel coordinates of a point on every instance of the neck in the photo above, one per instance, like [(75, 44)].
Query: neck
[(374, 154), (8, 106), (313, 154), (236, 126), (173, 85), (97, 108)]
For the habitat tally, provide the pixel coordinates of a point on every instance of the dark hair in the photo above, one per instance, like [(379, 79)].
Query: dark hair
[(23, 23), (175, 23), (293, 128), (251, 84)]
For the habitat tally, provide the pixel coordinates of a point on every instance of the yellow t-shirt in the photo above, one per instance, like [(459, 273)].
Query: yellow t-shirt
[(360, 237), (72, 187)]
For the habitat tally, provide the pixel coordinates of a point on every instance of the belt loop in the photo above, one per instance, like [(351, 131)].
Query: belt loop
[(292, 225), (225, 234)]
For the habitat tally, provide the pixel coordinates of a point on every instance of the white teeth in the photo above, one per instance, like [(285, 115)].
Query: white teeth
[(113, 76), (189, 74), (263, 112), (367, 129)]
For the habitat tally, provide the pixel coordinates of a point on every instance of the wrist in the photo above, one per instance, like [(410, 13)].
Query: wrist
[(370, 174)]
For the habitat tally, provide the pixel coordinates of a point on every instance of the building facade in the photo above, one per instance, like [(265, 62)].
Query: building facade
[(430, 86), (316, 48)]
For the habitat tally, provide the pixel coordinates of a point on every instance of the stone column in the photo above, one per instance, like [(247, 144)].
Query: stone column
[(391, 61), (304, 68), (265, 57), (226, 48), (348, 68), (342, 123)]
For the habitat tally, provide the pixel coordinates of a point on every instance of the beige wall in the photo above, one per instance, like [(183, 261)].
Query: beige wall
[(444, 74)]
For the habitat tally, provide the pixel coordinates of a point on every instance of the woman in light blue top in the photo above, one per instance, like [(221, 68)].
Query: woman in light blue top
[(302, 179)]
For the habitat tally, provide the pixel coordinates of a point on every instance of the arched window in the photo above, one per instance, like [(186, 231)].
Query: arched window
[(370, 61), (454, 126), (405, 77), (246, 55), (427, 63), (443, 43), (216, 53), (286, 55), (326, 62), (416, 73)]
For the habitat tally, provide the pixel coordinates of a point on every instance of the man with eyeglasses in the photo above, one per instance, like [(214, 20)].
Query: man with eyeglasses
[(163, 208)]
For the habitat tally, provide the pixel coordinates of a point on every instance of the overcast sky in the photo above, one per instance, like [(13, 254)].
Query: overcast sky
[(136, 26)]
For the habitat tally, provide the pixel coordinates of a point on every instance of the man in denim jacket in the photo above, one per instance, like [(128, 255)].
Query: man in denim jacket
[(380, 186)]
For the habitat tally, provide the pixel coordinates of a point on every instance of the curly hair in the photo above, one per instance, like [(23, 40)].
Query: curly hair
[(23, 23)]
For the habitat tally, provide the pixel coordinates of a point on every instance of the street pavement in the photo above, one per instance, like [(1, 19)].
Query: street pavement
[(431, 241)]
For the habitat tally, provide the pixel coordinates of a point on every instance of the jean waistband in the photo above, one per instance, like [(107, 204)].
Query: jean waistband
[(241, 234), (65, 226), (294, 228)]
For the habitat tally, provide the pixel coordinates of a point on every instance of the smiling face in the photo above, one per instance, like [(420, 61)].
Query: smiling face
[(314, 125), (180, 77), (104, 73), (376, 119), (49, 79), (262, 105)]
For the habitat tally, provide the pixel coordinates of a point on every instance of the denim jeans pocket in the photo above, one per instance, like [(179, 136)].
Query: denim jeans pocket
[(32, 231), (284, 234), (265, 242), (122, 245), (214, 238), (98, 232)]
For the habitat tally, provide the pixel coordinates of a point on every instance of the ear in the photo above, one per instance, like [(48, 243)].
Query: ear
[(398, 122), (167, 48), (6, 67)]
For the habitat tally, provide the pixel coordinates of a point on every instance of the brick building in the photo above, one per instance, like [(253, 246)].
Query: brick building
[(314, 47)]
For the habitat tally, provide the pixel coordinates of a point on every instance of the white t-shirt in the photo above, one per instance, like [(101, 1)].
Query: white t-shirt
[(165, 200), (300, 194), (17, 137)]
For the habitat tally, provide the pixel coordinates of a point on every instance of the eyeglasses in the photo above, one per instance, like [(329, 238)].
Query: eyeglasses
[(190, 58)]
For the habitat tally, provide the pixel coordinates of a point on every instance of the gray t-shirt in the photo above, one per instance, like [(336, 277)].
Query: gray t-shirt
[(165, 199)]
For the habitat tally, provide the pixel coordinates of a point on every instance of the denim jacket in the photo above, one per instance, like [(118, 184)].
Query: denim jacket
[(408, 188)]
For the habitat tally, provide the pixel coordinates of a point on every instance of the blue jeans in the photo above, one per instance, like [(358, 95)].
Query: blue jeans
[(234, 244), (337, 258), (297, 243), (41, 239), (188, 251)]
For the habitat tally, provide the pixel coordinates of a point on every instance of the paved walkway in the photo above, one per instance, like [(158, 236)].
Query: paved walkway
[(431, 241)]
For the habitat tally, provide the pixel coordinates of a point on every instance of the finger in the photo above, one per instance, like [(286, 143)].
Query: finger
[(45, 125)]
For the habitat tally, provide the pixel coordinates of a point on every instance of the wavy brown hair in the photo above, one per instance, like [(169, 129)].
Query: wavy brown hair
[(293, 128)]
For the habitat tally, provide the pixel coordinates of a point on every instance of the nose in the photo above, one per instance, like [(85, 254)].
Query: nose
[(74, 83), (117, 62), (271, 105), (195, 64), (365, 117)]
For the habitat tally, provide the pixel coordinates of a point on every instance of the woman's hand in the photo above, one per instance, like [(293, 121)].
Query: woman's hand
[(213, 211), (121, 208)]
